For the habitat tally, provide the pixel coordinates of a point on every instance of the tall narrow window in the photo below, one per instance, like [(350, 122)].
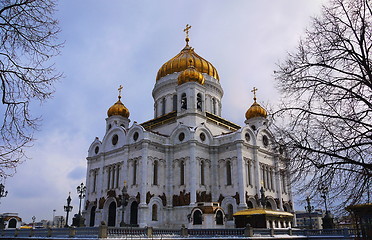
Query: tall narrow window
[(117, 176), (155, 176), (108, 177), (154, 212), (199, 102), (284, 186), (182, 173), (113, 176), (249, 174), (134, 172), (163, 106), (271, 179), (95, 172), (183, 101), (228, 173), (202, 173), (214, 109), (174, 102)]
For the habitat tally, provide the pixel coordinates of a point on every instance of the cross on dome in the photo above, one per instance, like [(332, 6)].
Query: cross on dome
[(186, 30), (254, 93), (119, 89)]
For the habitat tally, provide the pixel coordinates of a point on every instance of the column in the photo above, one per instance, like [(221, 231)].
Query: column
[(240, 170), (193, 173), (142, 208)]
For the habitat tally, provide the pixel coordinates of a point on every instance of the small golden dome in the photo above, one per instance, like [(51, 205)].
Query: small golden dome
[(190, 74), (118, 109), (255, 111), (180, 63)]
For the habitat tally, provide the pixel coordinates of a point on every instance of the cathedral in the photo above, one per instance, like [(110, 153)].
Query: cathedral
[(188, 166)]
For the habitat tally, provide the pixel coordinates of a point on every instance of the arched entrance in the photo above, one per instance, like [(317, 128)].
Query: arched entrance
[(197, 218), (219, 218), (12, 223), (92, 216), (112, 215), (134, 213)]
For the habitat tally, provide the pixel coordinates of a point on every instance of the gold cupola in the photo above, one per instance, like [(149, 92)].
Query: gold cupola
[(118, 109), (190, 74), (255, 110), (180, 62)]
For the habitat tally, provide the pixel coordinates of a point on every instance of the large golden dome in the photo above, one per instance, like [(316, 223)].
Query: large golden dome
[(118, 109), (190, 74), (180, 63)]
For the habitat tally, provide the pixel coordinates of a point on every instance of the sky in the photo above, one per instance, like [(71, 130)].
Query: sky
[(122, 42)]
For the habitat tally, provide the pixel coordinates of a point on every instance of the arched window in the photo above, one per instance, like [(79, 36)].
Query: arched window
[(230, 212), (249, 204), (197, 218), (202, 173), (249, 181), (228, 173), (214, 108), (174, 102), (154, 212), (134, 172), (163, 106), (155, 176), (268, 205), (199, 102), (183, 101), (12, 223), (182, 173), (219, 218)]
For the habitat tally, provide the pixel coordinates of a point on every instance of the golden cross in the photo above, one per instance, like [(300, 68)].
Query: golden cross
[(119, 89), (186, 30), (254, 92)]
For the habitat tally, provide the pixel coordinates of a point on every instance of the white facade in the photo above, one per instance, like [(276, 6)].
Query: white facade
[(186, 162)]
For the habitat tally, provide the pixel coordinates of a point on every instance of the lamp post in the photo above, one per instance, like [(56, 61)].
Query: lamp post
[(328, 217), (309, 209), (124, 193), (68, 209), (263, 198), (33, 222), (81, 189), (3, 193), (54, 213)]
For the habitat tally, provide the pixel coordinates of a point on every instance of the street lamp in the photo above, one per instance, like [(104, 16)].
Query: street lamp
[(323, 194), (124, 194), (309, 209), (33, 222), (81, 189), (68, 209), (3, 193), (263, 198)]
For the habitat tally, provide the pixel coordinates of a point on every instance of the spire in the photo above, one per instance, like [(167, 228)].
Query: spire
[(119, 89), (254, 93)]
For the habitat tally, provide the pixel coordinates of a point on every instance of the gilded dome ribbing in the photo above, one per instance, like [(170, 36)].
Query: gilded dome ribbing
[(180, 63), (118, 109)]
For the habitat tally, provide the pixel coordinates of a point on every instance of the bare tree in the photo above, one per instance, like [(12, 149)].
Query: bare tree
[(28, 34), (326, 113)]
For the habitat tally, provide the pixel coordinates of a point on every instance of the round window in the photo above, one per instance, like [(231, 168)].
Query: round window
[(202, 137), (181, 137), (247, 137), (265, 140), (96, 150), (253, 127), (135, 136), (115, 139)]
